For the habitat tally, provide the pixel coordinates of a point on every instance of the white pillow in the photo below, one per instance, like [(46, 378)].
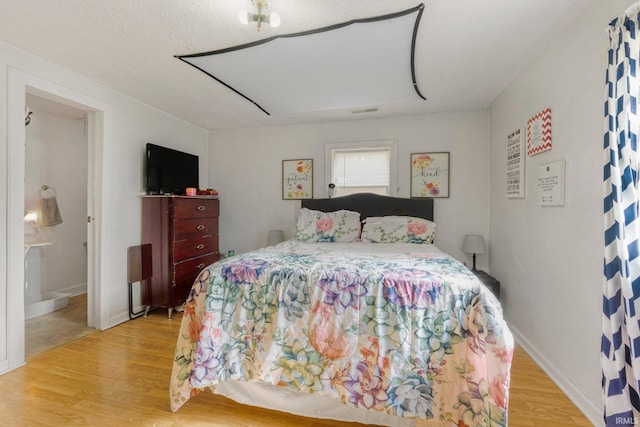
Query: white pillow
[(399, 229), (340, 226)]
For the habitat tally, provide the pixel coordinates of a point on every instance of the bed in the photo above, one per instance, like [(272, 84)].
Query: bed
[(358, 318)]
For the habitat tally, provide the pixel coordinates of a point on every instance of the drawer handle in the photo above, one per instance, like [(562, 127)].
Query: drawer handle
[(200, 266), (201, 208), (200, 246), (200, 227)]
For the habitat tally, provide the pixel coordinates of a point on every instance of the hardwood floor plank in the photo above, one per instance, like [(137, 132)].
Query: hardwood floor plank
[(120, 377)]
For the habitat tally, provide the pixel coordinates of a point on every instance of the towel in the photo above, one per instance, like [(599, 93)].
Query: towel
[(49, 211)]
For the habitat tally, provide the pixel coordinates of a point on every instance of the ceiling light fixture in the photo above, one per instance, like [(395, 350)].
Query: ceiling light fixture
[(272, 19)]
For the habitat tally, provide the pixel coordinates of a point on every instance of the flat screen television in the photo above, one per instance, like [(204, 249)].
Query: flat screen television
[(170, 171)]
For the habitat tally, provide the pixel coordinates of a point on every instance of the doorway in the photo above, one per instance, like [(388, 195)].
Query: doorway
[(56, 171), (100, 117)]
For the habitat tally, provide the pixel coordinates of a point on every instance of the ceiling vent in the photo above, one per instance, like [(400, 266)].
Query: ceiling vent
[(365, 110)]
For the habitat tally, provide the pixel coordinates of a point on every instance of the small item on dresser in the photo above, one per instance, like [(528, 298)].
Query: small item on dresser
[(191, 191), (208, 192)]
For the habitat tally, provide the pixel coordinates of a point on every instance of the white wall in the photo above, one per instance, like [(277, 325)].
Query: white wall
[(56, 156), (129, 124), (246, 167), (549, 259)]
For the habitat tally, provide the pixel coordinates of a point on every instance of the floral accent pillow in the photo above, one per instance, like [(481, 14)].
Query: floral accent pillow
[(398, 229), (340, 226)]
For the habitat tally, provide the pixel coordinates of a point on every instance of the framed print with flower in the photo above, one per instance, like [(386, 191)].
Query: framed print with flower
[(297, 179), (430, 174)]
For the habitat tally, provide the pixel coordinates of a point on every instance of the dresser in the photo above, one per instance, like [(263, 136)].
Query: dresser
[(182, 232)]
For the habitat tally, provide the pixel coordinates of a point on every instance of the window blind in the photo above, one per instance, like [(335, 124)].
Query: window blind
[(361, 168)]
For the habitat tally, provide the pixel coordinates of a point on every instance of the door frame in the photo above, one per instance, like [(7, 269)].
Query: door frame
[(98, 197)]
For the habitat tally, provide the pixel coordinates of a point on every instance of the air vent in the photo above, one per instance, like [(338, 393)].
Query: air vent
[(364, 110)]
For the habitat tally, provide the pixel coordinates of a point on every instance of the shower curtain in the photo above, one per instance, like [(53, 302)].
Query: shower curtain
[(621, 288)]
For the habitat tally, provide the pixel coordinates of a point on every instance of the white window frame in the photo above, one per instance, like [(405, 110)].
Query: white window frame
[(391, 145)]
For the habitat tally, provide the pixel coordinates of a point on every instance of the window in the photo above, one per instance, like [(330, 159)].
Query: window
[(365, 167)]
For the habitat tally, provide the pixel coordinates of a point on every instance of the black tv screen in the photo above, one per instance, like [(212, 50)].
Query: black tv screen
[(170, 171)]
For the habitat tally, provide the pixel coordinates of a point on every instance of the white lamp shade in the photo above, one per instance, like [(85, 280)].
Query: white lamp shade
[(275, 237), (473, 244)]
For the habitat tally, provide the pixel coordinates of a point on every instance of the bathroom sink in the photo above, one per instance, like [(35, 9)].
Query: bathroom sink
[(29, 245), (34, 243), (34, 237)]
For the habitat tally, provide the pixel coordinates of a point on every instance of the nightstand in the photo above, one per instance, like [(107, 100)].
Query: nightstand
[(490, 282)]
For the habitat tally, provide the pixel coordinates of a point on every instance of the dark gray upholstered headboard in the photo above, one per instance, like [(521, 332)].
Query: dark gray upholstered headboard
[(369, 204)]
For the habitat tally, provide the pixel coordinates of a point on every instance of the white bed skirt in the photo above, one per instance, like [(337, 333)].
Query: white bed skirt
[(282, 399)]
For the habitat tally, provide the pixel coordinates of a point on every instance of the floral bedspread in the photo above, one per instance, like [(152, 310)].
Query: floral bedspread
[(399, 328)]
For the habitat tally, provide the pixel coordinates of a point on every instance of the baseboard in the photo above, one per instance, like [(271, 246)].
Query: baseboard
[(4, 367), (118, 319), (75, 290), (124, 317), (586, 406)]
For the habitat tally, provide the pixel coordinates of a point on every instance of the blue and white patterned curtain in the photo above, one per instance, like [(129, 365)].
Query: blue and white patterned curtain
[(621, 288)]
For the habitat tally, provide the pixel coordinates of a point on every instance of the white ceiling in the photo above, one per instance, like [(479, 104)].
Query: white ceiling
[(467, 51), (356, 65)]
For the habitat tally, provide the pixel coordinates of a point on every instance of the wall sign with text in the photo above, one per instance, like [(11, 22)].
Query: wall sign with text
[(297, 179), (515, 164), (551, 183), (430, 174)]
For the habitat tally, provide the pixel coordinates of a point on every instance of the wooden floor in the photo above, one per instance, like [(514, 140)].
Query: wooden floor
[(120, 377), (45, 332)]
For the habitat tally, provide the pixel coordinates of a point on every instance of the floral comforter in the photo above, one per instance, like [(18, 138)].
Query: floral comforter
[(398, 328)]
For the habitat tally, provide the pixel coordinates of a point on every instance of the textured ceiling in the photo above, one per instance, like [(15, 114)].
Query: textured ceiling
[(352, 65), (467, 51)]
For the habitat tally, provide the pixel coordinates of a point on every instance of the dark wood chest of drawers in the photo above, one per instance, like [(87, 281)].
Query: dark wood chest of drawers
[(183, 234)]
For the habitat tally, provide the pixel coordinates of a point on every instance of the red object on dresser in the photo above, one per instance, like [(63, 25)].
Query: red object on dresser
[(183, 234)]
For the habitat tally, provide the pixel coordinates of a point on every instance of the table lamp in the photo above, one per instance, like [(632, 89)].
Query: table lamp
[(473, 244)]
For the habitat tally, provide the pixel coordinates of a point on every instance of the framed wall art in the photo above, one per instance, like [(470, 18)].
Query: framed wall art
[(430, 174), (539, 133), (297, 179)]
